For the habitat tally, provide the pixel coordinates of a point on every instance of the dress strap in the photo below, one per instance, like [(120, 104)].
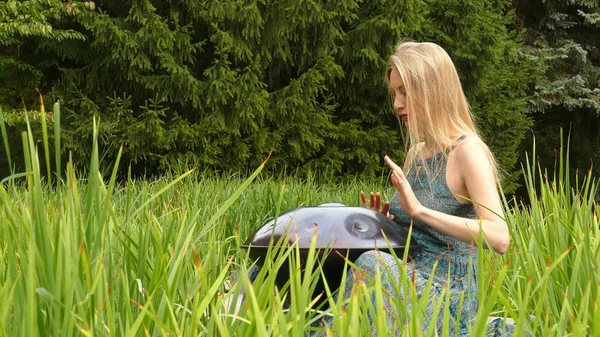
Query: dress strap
[(458, 140)]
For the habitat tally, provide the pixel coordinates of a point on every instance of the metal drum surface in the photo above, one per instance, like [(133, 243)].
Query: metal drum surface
[(339, 231)]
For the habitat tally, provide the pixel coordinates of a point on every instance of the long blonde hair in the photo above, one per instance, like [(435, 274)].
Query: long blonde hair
[(435, 102)]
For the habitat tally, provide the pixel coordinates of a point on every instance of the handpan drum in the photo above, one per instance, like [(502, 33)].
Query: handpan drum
[(350, 231)]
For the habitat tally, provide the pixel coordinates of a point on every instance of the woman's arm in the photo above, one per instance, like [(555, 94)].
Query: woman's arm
[(479, 180)]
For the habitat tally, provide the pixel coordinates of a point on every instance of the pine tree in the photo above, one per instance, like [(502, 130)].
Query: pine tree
[(22, 21), (566, 36), (26, 29), (221, 84)]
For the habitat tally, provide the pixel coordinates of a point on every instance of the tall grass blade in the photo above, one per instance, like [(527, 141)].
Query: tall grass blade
[(5, 141), (57, 148), (45, 138)]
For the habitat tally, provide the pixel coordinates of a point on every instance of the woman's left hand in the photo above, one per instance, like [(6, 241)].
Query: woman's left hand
[(406, 197)]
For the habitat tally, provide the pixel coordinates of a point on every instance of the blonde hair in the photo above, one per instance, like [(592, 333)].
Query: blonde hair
[(435, 102)]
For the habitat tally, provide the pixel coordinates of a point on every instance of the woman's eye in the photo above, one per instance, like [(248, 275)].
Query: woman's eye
[(393, 94)]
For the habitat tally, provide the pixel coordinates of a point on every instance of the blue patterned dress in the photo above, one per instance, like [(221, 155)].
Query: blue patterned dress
[(456, 261)]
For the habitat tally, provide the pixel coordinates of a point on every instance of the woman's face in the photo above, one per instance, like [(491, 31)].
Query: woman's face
[(398, 94)]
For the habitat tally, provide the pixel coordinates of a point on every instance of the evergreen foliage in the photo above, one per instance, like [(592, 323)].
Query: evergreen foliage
[(221, 84), (566, 35), (27, 30)]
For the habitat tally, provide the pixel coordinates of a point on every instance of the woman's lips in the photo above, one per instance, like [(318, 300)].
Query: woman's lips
[(404, 117)]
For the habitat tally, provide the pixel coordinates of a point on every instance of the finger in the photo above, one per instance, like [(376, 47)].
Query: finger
[(372, 201), (398, 176), (377, 201), (363, 199), (395, 180), (390, 163), (386, 208), (400, 173)]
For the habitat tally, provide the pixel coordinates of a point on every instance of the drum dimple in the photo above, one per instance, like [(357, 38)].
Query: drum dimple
[(361, 227)]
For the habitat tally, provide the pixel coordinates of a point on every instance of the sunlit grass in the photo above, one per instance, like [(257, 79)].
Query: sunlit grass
[(94, 254)]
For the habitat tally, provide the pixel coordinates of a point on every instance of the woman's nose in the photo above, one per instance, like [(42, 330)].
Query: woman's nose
[(399, 102)]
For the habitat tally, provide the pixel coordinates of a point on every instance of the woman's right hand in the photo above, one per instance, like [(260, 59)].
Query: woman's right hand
[(374, 203)]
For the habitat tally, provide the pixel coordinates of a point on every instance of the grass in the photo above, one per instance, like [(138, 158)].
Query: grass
[(93, 255)]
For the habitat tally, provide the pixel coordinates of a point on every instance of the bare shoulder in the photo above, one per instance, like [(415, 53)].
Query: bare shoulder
[(470, 147), (472, 156)]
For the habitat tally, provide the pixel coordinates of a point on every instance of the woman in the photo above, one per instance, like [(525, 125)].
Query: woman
[(447, 189)]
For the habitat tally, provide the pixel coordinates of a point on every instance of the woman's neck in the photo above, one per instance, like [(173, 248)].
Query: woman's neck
[(430, 149)]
